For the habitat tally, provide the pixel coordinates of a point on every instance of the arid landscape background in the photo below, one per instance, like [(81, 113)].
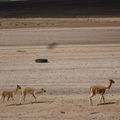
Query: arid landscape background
[(81, 57), (85, 51)]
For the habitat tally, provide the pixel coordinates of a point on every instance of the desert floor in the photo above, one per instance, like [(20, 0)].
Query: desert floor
[(59, 22), (67, 76)]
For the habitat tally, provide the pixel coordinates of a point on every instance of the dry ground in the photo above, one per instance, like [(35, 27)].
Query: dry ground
[(66, 77), (46, 36), (59, 22)]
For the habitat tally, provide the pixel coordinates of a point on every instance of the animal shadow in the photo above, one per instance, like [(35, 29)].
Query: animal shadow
[(29, 103), (107, 103)]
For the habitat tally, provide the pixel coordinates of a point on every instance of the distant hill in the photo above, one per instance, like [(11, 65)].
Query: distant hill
[(60, 8)]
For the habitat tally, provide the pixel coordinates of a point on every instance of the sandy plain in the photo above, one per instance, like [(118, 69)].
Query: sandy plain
[(73, 65), (59, 22)]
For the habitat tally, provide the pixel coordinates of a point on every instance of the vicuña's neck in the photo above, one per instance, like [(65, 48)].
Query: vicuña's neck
[(109, 86), (16, 90)]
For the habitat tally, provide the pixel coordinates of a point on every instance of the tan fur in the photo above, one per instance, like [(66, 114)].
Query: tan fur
[(9, 93), (98, 89), (31, 91)]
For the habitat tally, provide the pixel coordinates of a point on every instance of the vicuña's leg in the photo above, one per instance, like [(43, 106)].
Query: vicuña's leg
[(3, 99), (91, 102), (12, 98), (100, 99), (103, 98), (24, 96), (34, 97), (8, 98)]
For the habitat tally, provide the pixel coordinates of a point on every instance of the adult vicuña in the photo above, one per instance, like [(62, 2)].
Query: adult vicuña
[(9, 93), (98, 89), (31, 91)]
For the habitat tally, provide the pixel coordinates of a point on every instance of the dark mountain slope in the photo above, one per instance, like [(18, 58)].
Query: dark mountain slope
[(60, 8)]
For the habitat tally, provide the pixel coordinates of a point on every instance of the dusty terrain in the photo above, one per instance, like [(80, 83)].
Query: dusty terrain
[(59, 22), (46, 36), (71, 69)]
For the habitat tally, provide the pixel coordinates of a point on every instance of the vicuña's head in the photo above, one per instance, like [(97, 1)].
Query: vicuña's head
[(18, 87), (43, 90), (112, 81)]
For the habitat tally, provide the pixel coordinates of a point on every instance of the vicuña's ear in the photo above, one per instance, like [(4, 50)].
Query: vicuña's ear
[(19, 86)]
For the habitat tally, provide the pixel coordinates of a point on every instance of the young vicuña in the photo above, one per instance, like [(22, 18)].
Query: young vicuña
[(31, 91), (9, 93)]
